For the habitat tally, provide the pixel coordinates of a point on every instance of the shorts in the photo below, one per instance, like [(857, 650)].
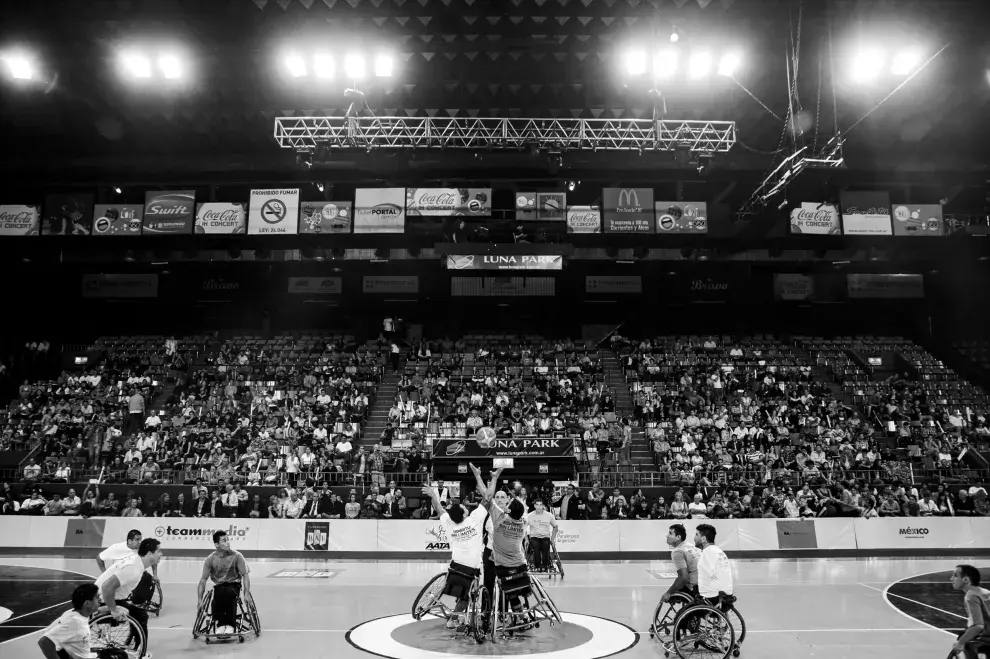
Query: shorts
[(460, 578), (514, 581)]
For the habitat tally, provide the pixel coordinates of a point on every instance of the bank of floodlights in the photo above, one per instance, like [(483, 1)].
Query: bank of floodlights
[(667, 61), (869, 63), (324, 66), (147, 64)]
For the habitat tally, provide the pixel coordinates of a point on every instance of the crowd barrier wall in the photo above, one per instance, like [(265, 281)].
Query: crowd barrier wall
[(586, 539)]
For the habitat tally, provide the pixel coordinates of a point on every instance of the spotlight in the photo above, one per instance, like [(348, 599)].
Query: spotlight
[(19, 66), (383, 66), (319, 256), (323, 66), (635, 62), (867, 65), (701, 64), (129, 256), (905, 62), (354, 67), (728, 65), (571, 185), (117, 190), (665, 63), (675, 35), (170, 66), (319, 186), (136, 65), (296, 66)]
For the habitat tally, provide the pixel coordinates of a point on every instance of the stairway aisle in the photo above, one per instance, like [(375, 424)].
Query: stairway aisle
[(378, 415), (616, 382)]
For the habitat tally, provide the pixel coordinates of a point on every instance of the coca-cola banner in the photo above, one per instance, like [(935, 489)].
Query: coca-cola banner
[(815, 218), (793, 287), (120, 286), (19, 220), (922, 220), (67, 215), (584, 219), (316, 285), (274, 212), (169, 212), (682, 217), (325, 217), (628, 210), (473, 202), (220, 217), (118, 219), (865, 213), (380, 210), (504, 262), (608, 284), (525, 206), (551, 206), (890, 286)]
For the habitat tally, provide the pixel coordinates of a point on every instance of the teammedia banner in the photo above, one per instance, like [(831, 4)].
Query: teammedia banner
[(188, 532), (920, 220), (628, 210), (584, 219), (504, 262), (19, 220), (380, 210), (326, 217), (274, 212), (465, 449), (220, 218), (442, 202), (169, 212), (118, 219), (67, 215), (682, 217), (865, 213), (815, 219)]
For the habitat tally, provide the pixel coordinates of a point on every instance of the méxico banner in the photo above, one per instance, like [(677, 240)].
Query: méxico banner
[(525, 206), (865, 213), (380, 210), (325, 217), (120, 286), (446, 448), (19, 220), (220, 217), (504, 262), (792, 287), (169, 212), (862, 286), (274, 212), (628, 210), (67, 215), (386, 284), (606, 284), (316, 285), (118, 219), (924, 220), (551, 206), (583, 219), (475, 202), (682, 217), (813, 218)]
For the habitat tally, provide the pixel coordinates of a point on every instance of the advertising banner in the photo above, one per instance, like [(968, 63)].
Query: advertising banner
[(607, 284), (590, 536), (879, 286), (584, 219), (502, 286), (118, 219), (504, 262), (699, 289), (629, 210), (220, 217), (413, 535), (643, 535), (796, 534), (682, 217), (757, 535), (355, 534), (67, 215), (551, 206), (923, 220), (325, 217), (815, 219), (442, 202), (169, 212), (189, 532), (316, 536), (835, 532), (316, 285), (17, 531), (913, 533), (19, 220), (120, 286), (380, 210), (385, 284), (792, 287), (525, 206), (865, 213), (274, 212), (83, 532), (464, 449)]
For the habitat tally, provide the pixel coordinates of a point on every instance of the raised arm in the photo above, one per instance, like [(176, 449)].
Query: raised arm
[(431, 492), (487, 492)]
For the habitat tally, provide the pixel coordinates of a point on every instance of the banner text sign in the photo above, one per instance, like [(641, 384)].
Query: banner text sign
[(274, 212), (682, 217), (865, 213), (920, 220), (169, 212), (19, 220), (504, 262), (316, 285), (386, 284), (551, 206), (606, 284), (442, 202), (118, 219), (326, 217), (628, 210), (220, 218), (815, 219), (380, 210), (584, 219)]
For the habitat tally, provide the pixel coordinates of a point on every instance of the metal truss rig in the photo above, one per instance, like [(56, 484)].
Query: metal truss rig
[(307, 133)]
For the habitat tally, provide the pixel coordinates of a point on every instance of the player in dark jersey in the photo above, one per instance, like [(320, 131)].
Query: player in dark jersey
[(685, 555)]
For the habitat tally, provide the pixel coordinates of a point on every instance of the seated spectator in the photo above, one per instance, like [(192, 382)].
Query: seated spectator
[(71, 504)]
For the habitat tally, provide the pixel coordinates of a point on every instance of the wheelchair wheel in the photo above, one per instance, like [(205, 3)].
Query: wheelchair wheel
[(154, 605), (665, 614), (555, 561), (702, 632), (479, 614), (252, 612), (109, 634), (738, 626), (202, 623), (429, 596)]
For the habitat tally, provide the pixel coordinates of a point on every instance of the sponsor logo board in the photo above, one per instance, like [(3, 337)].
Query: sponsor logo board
[(817, 219), (316, 285), (118, 219), (67, 215), (504, 262), (605, 284), (682, 217), (274, 212), (628, 210), (584, 219), (317, 536), (221, 217), (385, 284), (891, 286), (19, 220), (325, 217), (169, 212), (922, 220), (525, 206), (551, 206), (473, 202), (380, 210), (865, 213), (120, 286), (793, 287)]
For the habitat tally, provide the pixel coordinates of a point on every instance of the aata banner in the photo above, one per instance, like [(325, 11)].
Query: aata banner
[(816, 219), (120, 286), (19, 220), (325, 217), (682, 217), (274, 212), (865, 213), (628, 210), (442, 202), (890, 286), (792, 287), (118, 219), (924, 220), (584, 219), (525, 206), (316, 285), (605, 284), (380, 210), (914, 533), (446, 448), (386, 284), (220, 217), (551, 206), (67, 215), (413, 536), (169, 212), (504, 262)]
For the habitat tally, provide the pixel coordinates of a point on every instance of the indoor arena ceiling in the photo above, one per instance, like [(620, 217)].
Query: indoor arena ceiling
[(485, 58)]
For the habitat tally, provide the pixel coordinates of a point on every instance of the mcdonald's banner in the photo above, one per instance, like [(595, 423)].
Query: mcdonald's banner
[(815, 218), (865, 213), (67, 215), (220, 217), (19, 220), (628, 210), (584, 219), (504, 262), (922, 220), (473, 202), (502, 286), (864, 286), (551, 206), (380, 210), (682, 217), (325, 217), (118, 219), (274, 212), (525, 206), (316, 285), (169, 212), (792, 287), (607, 284)]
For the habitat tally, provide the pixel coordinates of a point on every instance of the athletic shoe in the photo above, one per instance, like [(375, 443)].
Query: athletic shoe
[(452, 622)]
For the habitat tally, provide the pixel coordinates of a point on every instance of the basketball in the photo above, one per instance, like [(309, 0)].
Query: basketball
[(484, 436)]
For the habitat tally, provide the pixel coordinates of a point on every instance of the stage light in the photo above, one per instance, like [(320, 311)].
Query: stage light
[(19, 66), (665, 63), (867, 64), (354, 67), (635, 62), (674, 35), (571, 185), (170, 66), (116, 190), (296, 66), (701, 65), (383, 66), (323, 66), (729, 64), (136, 65), (905, 62)]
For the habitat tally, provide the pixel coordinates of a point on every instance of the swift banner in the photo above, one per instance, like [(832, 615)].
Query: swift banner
[(118, 219), (446, 448), (120, 286), (67, 215), (525, 206), (551, 206), (865, 213), (19, 220), (583, 219), (792, 287), (885, 286), (383, 284), (605, 284), (214, 217), (380, 210), (169, 212), (316, 285), (502, 286), (325, 217), (628, 210), (274, 212), (475, 202), (504, 262), (682, 217), (816, 219), (923, 220)]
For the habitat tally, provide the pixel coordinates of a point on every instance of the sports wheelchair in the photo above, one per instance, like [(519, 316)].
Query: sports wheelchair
[(556, 568), (430, 602), (110, 637), (153, 605), (246, 620), (682, 629), (518, 583)]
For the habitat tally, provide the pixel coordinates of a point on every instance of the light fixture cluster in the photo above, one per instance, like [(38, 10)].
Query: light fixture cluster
[(352, 66), (667, 61), (19, 66), (871, 62), (144, 66)]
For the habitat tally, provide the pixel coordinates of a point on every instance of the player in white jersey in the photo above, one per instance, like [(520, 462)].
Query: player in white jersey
[(69, 636), (714, 569), (121, 550)]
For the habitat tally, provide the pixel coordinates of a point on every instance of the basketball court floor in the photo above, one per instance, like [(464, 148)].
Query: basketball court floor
[(834, 609)]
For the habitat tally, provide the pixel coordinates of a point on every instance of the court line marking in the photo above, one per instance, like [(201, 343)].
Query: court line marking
[(24, 615), (45, 567), (887, 601), (908, 599)]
